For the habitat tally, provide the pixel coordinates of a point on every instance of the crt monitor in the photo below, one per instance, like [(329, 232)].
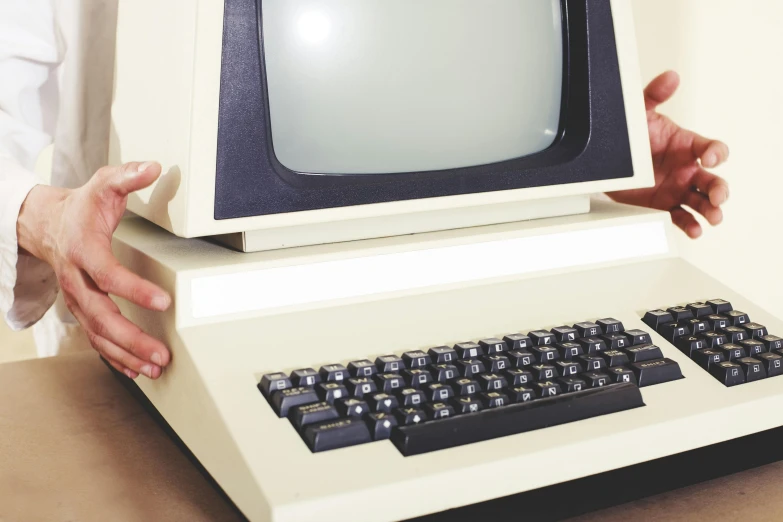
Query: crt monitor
[(354, 118)]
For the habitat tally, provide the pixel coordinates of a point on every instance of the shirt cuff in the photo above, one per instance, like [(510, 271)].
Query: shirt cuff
[(28, 286)]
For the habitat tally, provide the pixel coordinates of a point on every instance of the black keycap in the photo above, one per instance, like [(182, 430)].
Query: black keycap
[(714, 339), (389, 364), (338, 433), (467, 404), (411, 398), (383, 403), (444, 372), (543, 372), (616, 341), (518, 342), (611, 325), (752, 368), (443, 355), (492, 382), (542, 338), (737, 318), (305, 377), (720, 306), (417, 378), (672, 331), (546, 389), (465, 387), (615, 357), (649, 373), (470, 368), (592, 363), (307, 414), (700, 309), (545, 354), (438, 392), (416, 359), (272, 382), (496, 363), (360, 387), (753, 347), (697, 326), (565, 334), (389, 382), (707, 357), (468, 350), (352, 407), (680, 313), (595, 379), (568, 368), (569, 350), (381, 425), (772, 342), (655, 318), (493, 346), (410, 416), (636, 337), (571, 384), (729, 373), (621, 374), (283, 400), (363, 368), (772, 362), (756, 330), (438, 410), (717, 322), (735, 334), (688, 344), (520, 359), (521, 394), (518, 377), (334, 373), (588, 329), (645, 352), (517, 418), (593, 345), (494, 400), (331, 391), (732, 351)]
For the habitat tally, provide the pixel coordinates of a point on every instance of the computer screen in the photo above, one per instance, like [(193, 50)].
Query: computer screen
[(379, 86)]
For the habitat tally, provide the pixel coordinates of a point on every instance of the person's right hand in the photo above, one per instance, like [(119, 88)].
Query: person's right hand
[(72, 231)]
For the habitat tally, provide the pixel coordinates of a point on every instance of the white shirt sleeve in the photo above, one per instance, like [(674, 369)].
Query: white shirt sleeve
[(30, 54)]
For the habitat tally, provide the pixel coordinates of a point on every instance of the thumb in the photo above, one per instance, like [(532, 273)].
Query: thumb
[(132, 177), (661, 89)]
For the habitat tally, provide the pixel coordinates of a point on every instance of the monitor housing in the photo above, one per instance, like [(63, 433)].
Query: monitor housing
[(197, 100)]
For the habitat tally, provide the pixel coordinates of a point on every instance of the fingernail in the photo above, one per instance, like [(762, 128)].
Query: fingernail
[(144, 166), (161, 302), (147, 370), (129, 374), (710, 160), (156, 359)]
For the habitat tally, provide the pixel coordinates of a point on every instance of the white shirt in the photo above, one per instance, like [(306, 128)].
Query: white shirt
[(56, 69)]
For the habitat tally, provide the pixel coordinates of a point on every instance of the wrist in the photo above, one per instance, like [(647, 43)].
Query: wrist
[(37, 218)]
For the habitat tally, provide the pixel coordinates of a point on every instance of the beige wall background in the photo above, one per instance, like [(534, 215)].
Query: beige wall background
[(730, 56)]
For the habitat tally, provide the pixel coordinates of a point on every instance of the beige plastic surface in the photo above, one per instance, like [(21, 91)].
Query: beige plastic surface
[(209, 394), (183, 104)]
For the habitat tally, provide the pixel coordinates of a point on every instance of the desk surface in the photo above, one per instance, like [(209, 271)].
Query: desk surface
[(74, 446)]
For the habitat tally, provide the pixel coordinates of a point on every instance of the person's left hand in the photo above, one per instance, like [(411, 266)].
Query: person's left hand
[(679, 159)]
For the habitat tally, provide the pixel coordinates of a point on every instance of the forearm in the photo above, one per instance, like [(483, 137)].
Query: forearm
[(36, 219)]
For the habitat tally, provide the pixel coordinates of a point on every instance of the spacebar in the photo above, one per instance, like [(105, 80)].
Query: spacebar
[(517, 418)]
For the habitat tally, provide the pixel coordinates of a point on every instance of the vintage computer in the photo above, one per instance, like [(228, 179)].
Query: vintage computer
[(393, 296)]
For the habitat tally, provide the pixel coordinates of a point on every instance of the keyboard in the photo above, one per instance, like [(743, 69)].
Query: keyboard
[(448, 396), (720, 339)]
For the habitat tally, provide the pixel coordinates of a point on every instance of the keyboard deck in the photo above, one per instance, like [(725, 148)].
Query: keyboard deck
[(449, 396)]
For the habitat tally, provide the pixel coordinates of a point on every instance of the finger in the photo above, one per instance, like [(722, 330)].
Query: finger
[(128, 178), (113, 278), (685, 220), (701, 204), (661, 89), (714, 187), (711, 153), (120, 368)]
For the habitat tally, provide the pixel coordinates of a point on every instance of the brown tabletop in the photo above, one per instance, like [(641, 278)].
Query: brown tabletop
[(75, 446)]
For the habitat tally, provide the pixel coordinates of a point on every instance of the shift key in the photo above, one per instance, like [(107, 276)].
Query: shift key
[(336, 434), (649, 373)]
